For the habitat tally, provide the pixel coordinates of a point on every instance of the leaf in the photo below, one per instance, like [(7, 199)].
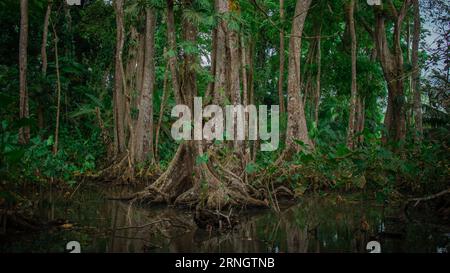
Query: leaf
[(49, 141), (201, 159), (15, 156), (251, 168), (84, 110), (95, 100)]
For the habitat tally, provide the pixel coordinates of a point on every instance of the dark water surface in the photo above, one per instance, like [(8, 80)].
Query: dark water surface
[(330, 223)]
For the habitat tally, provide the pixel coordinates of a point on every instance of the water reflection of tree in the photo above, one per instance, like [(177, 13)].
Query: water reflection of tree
[(315, 225)]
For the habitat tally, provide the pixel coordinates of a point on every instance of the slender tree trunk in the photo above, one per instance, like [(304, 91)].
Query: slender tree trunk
[(144, 127), (251, 89), (41, 122), (24, 132), (210, 91), (318, 79), (416, 74), (354, 90), (173, 64), (360, 118), (281, 52), (44, 38), (58, 85), (119, 99), (164, 99), (296, 127), (245, 101), (245, 97)]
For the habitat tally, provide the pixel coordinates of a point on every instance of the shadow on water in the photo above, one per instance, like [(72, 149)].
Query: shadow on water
[(316, 224)]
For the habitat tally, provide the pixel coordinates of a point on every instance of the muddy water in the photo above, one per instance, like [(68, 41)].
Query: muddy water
[(328, 223)]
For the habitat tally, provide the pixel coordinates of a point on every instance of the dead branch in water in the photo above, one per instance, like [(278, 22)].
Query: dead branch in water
[(144, 225), (429, 197)]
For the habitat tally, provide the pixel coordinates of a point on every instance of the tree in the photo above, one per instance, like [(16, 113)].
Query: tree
[(281, 52), (417, 101), (58, 92), (392, 63), (24, 132), (354, 91), (44, 59), (144, 127), (296, 127), (119, 99), (195, 177)]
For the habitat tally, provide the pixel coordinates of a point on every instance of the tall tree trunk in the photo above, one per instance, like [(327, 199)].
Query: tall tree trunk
[(164, 99), (416, 74), (24, 132), (318, 79), (360, 118), (392, 65), (296, 127), (173, 64), (245, 101), (41, 122), (234, 76), (144, 127), (58, 97), (45, 37), (220, 89), (119, 99), (251, 89), (281, 52), (354, 91)]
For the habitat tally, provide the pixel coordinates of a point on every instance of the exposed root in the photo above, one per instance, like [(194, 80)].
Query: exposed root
[(173, 182), (124, 171), (206, 185), (121, 172)]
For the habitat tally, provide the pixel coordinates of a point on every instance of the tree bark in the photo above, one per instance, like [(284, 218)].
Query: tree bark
[(144, 126), (119, 99), (220, 89), (354, 91), (318, 79), (24, 132), (296, 127), (282, 58), (58, 98), (416, 74), (44, 38), (41, 122), (234, 76), (173, 64), (164, 99)]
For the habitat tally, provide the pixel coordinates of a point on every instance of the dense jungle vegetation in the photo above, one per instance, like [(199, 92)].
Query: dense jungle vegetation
[(86, 93)]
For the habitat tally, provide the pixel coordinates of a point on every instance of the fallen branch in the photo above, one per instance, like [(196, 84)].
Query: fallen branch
[(145, 225), (427, 198)]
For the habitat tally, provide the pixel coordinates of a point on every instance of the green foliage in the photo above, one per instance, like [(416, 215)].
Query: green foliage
[(36, 163), (372, 166), (202, 159)]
